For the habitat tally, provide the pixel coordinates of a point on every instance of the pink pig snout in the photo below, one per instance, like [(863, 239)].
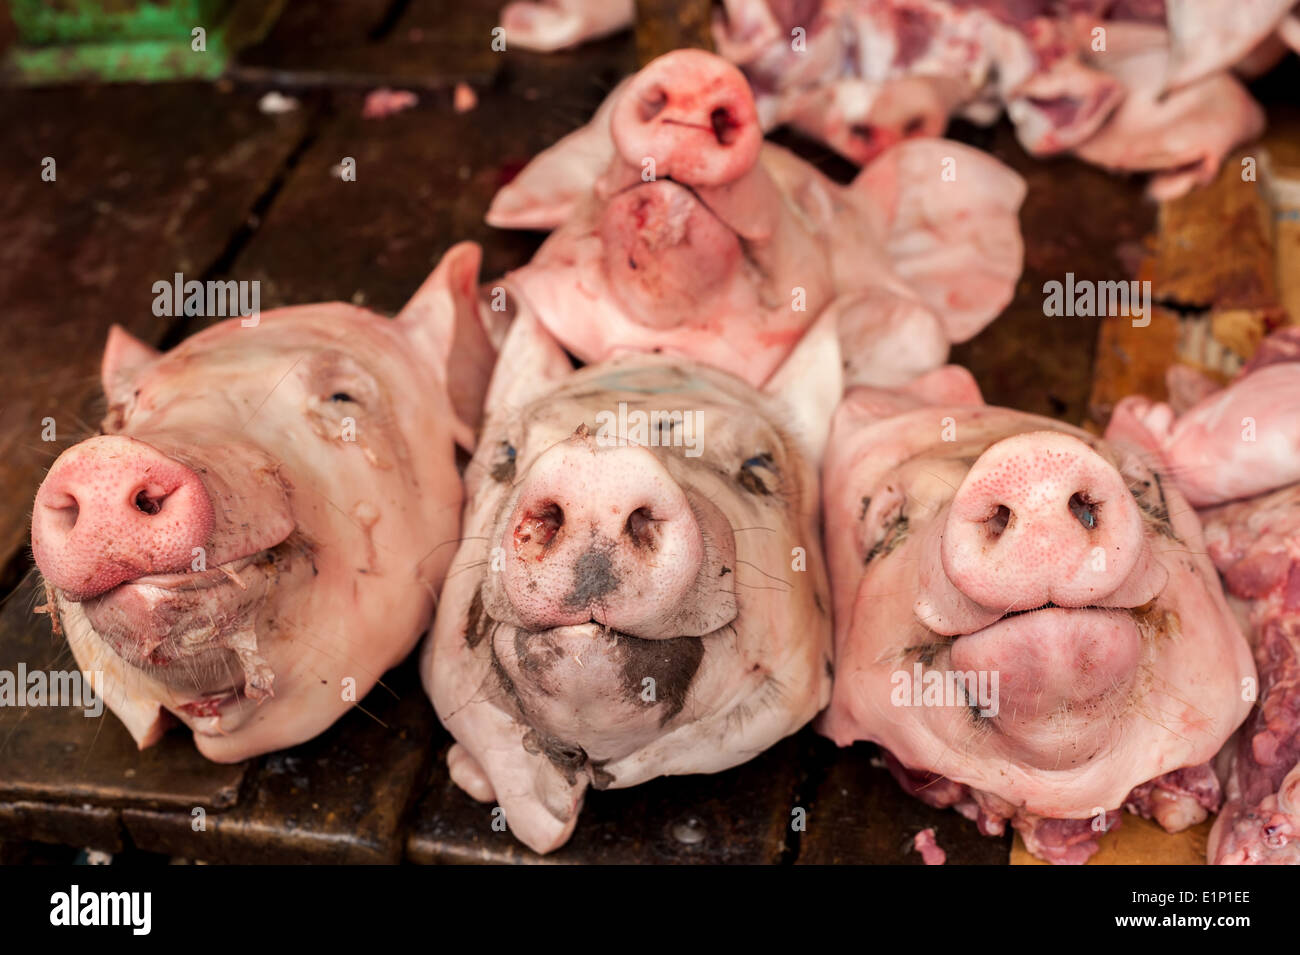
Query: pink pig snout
[(602, 534), (1042, 517), (112, 509), (694, 115)]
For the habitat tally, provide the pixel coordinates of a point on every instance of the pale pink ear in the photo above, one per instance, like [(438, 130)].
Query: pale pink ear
[(124, 356), (1140, 422), (1241, 441), (531, 364), (951, 224), (810, 382), (445, 323), (949, 385), (548, 190)]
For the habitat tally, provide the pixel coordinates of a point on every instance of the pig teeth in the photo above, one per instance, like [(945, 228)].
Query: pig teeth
[(233, 576)]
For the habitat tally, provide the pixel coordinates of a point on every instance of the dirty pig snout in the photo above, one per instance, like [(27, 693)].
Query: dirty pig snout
[(607, 535)]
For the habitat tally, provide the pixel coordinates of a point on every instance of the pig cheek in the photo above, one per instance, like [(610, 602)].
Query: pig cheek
[(664, 255)]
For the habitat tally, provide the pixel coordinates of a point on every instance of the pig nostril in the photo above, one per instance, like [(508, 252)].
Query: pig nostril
[(147, 504), (65, 510), (1084, 510), (640, 527), (725, 126), (996, 524), (651, 104), (537, 529)]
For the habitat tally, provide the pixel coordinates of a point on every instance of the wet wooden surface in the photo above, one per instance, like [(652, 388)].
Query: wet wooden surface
[(194, 178)]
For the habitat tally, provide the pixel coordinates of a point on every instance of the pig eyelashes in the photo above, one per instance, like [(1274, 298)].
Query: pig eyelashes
[(1151, 502), (894, 527), (759, 474)]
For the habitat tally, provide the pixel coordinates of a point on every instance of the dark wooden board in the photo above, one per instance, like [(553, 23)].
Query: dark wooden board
[(1026, 359), (150, 181), (65, 760), (664, 25), (741, 815), (858, 815), (340, 798)]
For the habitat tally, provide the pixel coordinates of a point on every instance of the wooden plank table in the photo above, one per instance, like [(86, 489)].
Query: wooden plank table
[(144, 191)]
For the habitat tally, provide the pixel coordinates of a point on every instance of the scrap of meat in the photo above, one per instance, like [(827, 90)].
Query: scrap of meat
[(387, 102), (1256, 543), (924, 843), (1235, 452)]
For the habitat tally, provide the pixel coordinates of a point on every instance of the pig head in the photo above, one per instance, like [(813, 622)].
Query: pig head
[(1025, 616), (254, 537), (679, 231), (639, 591)]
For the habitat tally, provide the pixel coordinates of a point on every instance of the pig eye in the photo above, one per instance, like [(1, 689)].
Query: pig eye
[(758, 475), (342, 396)]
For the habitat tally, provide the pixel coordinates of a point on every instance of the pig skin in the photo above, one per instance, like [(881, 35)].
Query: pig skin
[(1158, 687), (543, 701), (923, 249), (331, 551)]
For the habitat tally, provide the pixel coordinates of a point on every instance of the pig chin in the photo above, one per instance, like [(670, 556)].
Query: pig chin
[(196, 633), (592, 693), (666, 254), (1066, 677)]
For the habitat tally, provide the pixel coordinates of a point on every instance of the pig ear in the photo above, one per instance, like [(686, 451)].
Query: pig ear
[(811, 382), (1140, 423), (949, 385), (124, 357), (444, 321), (952, 227), (548, 190), (532, 363)]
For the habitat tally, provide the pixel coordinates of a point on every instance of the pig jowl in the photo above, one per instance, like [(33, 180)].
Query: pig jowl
[(252, 540), (1025, 616), (639, 591), (678, 230)]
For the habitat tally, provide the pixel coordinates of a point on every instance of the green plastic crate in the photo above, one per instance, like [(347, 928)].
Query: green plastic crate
[(118, 41), (45, 22)]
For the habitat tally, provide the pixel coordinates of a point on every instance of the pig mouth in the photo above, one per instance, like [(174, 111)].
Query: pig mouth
[(572, 684), (1062, 673), (201, 619)]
